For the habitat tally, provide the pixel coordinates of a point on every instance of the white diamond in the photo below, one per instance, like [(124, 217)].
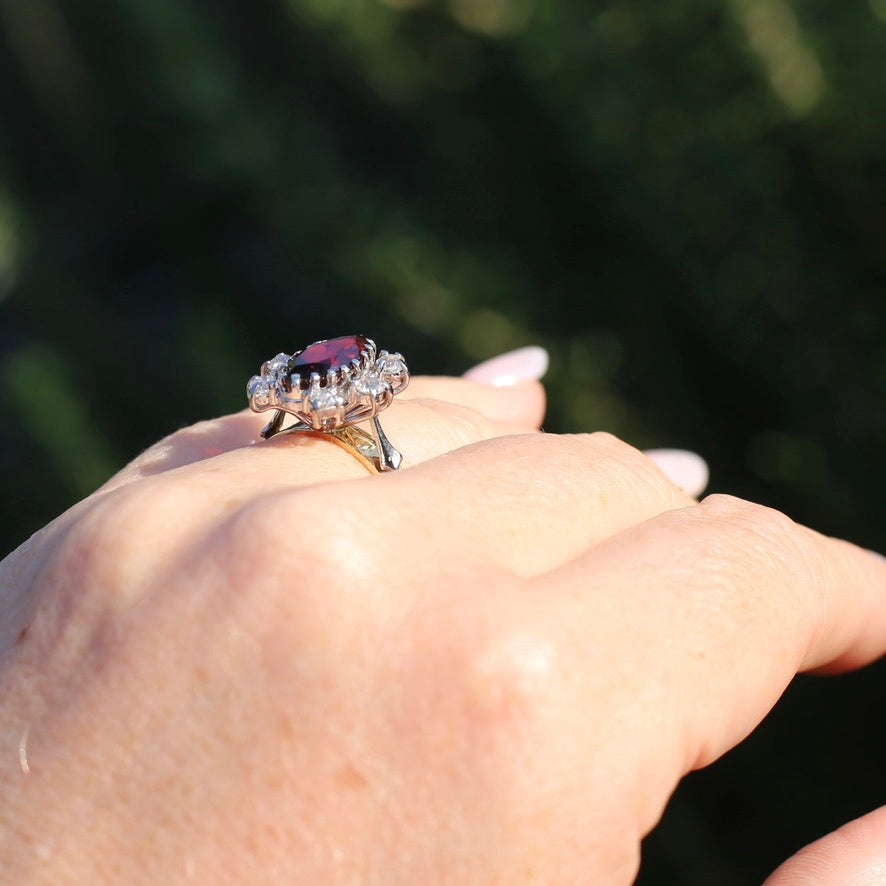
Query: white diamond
[(392, 366), (259, 391), (279, 362), (370, 384), (275, 366), (326, 407), (323, 399)]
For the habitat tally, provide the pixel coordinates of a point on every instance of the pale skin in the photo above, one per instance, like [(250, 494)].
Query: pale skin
[(252, 662)]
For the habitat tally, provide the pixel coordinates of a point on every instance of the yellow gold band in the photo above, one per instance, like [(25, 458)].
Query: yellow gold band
[(355, 442)]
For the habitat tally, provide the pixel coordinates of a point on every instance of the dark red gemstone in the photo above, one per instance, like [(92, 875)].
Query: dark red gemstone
[(325, 355)]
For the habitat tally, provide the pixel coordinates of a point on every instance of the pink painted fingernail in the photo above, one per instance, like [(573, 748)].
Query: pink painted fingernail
[(685, 469), (524, 364)]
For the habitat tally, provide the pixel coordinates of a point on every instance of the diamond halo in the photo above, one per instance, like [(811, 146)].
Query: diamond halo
[(328, 385)]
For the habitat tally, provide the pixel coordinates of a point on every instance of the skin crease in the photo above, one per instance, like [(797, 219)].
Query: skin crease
[(250, 661)]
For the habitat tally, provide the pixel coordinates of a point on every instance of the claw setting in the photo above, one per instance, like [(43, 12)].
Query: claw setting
[(329, 384)]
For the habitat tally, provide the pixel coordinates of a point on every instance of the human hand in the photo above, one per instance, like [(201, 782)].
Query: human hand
[(243, 662)]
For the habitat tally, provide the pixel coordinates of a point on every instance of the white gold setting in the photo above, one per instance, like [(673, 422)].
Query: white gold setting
[(325, 393)]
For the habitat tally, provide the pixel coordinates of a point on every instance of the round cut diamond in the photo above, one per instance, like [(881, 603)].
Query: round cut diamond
[(392, 367), (370, 384), (326, 398), (259, 391), (276, 365), (326, 407)]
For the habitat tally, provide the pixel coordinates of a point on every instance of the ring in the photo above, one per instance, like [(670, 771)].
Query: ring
[(329, 386)]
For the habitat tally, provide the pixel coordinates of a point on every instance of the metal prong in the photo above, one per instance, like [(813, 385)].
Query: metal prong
[(273, 426), (389, 459)]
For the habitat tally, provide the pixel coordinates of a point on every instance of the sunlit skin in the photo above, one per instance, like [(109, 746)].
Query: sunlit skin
[(246, 661)]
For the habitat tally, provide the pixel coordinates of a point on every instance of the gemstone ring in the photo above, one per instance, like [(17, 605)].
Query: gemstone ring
[(329, 386)]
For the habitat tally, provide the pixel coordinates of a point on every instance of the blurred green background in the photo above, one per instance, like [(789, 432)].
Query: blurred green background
[(683, 201)]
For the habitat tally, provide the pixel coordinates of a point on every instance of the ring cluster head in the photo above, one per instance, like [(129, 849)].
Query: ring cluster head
[(330, 383)]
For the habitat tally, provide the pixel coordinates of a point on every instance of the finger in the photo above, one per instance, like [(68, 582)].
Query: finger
[(195, 443), (854, 854), (491, 410), (685, 469), (720, 604), (531, 502), (522, 403), (526, 502)]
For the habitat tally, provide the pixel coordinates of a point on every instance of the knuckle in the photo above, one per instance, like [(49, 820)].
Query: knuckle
[(108, 557), (469, 697), (498, 685), (766, 537), (319, 537), (511, 680), (293, 565), (129, 510), (599, 465), (610, 450), (771, 524), (605, 442), (108, 534), (765, 523), (481, 677), (620, 468), (599, 451), (196, 438)]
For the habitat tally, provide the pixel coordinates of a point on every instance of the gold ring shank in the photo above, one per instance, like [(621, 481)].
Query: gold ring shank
[(358, 444)]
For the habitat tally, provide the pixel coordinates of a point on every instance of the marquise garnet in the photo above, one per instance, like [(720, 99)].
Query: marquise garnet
[(325, 355)]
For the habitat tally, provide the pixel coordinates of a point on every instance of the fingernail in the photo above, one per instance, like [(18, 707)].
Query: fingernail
[(683, 468), (524, 364), (877, 554)]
